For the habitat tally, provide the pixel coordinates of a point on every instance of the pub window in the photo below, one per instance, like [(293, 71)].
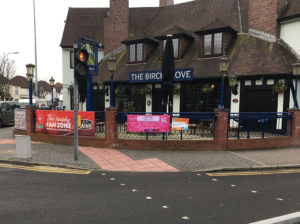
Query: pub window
[(212, 44), (175, 46), (136, 52), (71, 59)]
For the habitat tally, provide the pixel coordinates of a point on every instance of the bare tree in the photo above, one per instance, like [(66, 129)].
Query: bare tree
[(7, 71)]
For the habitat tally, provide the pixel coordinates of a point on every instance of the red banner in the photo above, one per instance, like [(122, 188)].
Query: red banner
[(62, 122)]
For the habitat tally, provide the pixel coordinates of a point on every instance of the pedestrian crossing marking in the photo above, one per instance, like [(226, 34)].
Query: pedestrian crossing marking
[(47, 169), (253, 173)]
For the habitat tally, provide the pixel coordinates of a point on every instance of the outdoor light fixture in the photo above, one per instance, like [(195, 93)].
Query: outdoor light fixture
[(232, 81), (100, 86), (296, 72), (52, 82), (296, 68), (30, 71), (112, 64), (29, 75), (224, 64)]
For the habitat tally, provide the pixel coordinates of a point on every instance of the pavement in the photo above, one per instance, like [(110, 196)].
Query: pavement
[(148, 161)]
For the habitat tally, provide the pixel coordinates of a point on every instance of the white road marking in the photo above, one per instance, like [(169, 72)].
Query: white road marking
[(232, 185), (214, 180), (279, 199), (148, 198), (123, 184), (198, 174), (134, 190), (112, 179), (165, 206), (185, 218), (103, 174), (254, 192)]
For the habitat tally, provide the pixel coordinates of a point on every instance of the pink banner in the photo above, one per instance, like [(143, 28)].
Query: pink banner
[(148, 123)]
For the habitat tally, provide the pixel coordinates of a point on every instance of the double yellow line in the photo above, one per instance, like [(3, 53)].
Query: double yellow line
[(47, 169), (253, 173)]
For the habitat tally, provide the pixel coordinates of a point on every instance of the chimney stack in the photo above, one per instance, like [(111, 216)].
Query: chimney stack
[(262, 18), (163, 3), (116, 25)]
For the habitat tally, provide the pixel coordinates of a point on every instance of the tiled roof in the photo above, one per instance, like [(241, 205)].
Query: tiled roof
[(291, 11), (45, 85), (252, 56), (58, 87), (248, 55), (20, 81), (154, 21), (90, 22), (83, 22), (193, 16)]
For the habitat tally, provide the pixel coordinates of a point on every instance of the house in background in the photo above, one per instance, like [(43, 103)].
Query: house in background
[(247, 31), (19, 88), (19, 91), (58, 93)]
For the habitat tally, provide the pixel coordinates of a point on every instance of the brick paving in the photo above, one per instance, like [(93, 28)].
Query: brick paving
[(110, 159)]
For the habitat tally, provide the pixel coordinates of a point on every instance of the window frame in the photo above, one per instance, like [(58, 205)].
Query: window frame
[(178, 47), (135, 53), (212, 45), (71, 59)]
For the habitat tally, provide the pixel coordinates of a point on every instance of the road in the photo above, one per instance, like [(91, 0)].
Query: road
[(160, 198)]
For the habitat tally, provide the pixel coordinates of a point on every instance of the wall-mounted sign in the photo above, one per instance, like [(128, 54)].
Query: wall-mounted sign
[(20, 119), (235, 100), (180, 124), (148, 123), (184, 74), (92, 48), (62, 122)]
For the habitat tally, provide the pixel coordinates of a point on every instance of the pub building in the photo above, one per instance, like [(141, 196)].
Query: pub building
[(245, 32)]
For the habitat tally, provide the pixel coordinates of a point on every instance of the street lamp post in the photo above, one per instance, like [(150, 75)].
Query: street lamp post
[(296, 72), (112, 64), (29, 75), (52, 81), (224, 63)]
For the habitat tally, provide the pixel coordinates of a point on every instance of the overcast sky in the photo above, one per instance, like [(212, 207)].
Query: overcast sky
[(17, 31)]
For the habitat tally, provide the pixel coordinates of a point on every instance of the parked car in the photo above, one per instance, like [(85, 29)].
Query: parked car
[(6, 113)]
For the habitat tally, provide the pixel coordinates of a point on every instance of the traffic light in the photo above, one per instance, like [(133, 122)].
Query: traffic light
[(81, 71)]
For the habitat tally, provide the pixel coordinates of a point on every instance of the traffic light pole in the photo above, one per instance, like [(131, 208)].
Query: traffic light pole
[(75, 119)]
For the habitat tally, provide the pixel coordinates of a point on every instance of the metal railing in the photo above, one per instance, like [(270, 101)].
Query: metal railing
[(100, 124), (259, 124), (201, 127)]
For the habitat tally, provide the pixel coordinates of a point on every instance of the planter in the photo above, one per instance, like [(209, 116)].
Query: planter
[(279, 90)]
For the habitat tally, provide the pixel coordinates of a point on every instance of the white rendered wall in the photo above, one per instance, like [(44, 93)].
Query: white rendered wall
[(291, 105), (235, 107), (176, 99), (68, 77), (289, 32)]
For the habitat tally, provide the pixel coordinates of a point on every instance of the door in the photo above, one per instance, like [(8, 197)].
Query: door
[(157, 101), (98, 100), (259, 100)]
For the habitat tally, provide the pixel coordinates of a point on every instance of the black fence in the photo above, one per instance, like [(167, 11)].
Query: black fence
[(201, 127), (259, 125)]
